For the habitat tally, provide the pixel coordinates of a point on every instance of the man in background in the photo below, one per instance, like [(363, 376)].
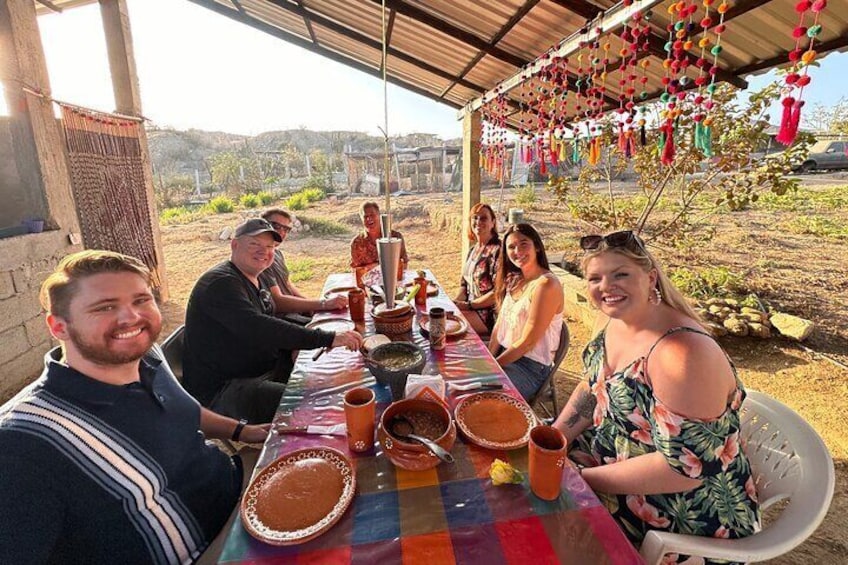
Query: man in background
[(363, 247), (289, 303)]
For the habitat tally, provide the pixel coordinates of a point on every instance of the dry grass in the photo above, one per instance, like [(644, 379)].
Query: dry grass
[(803, 273)]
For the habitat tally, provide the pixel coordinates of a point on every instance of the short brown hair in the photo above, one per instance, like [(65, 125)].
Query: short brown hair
[(366, 205), (61, 286), (266, 215)]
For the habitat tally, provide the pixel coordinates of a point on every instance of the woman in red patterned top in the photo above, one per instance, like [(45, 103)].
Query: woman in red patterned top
[(476, 296)]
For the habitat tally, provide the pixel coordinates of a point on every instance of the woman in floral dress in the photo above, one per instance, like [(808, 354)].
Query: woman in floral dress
[(476, 296), (655, 429)]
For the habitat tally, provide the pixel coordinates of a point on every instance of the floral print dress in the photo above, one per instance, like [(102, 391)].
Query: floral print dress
[(629, 421)]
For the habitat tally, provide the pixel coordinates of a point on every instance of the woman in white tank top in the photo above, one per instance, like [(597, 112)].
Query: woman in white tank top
[(529, 298)]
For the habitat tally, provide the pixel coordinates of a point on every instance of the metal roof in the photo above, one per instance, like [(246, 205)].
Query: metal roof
[(454, 51)]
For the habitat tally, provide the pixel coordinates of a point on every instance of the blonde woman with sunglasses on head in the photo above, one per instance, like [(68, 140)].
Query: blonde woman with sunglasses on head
[(656, 426)]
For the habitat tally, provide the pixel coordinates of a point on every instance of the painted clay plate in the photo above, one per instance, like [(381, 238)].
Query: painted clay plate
[(495, 420), (432, 287), (332, 325), (454, 325), (299, 496), (339, 290)]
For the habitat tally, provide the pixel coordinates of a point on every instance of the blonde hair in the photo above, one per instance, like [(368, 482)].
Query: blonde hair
[(670, 295), (61, 286)]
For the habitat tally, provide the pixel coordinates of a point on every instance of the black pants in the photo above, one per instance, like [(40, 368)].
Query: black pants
[(255, 399)]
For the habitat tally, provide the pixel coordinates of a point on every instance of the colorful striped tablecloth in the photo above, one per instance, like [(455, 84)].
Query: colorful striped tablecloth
[(450, 514)]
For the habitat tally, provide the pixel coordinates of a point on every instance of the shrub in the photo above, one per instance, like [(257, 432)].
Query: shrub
[(300, 269), (249, 200), (265, 197), (221, 205), (296, 202), (713, 281), (526, 195), (313, 194), (174, 215), (318, 226)]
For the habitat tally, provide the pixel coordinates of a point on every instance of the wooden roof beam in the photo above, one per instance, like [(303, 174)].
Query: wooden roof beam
[(390, 25), (605, 22), (582, 8), (50, 5), (821, 48), (308, 23), (323, 51), (373, 43), (423, 17), (506, 28)]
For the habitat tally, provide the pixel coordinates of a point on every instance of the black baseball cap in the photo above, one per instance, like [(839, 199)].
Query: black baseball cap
[(255, 226)]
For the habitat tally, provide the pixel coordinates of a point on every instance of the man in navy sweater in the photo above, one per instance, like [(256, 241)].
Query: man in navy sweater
[(103, 458)]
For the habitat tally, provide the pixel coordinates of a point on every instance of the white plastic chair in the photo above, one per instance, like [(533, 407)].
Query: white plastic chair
[(789, 460)]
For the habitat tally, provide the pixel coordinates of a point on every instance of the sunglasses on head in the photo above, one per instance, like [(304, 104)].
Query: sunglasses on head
[(626, 239), (279, 226)]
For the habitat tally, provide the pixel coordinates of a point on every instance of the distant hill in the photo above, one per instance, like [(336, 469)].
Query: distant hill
[(183, 152)]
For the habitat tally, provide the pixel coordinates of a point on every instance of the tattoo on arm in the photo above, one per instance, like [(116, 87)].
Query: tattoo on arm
[(584, 407)]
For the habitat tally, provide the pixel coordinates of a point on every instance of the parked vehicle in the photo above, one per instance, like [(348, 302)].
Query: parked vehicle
[(825, 155)]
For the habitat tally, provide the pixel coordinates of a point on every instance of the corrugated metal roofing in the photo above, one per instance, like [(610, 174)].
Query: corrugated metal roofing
[(454, 51)]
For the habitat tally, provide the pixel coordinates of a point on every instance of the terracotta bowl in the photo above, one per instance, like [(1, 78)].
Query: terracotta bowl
[(395, 378), (411, 455)]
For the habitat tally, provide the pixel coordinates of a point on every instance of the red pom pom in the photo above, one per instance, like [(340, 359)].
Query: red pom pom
[(792, 78), (795, 55), (681, 95), (699, 98), (803, 80), (819, 5), (700, 81), (706, 22), (698, 117), (799, 31), (709, 105), (665, 81), (719, 29), (803, 6)]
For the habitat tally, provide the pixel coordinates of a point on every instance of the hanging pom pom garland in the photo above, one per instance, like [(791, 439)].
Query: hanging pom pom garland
[(798, 76)]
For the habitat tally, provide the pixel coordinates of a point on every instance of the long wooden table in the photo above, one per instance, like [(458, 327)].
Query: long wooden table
[(450, 514)]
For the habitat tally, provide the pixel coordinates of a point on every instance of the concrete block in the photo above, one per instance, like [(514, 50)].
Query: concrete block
[(14, 343), (22, 278), (36, 330), (21, 371), (16, 310), (7, 285)]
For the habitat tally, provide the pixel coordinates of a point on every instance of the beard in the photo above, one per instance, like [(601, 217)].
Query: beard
[(101, 354)]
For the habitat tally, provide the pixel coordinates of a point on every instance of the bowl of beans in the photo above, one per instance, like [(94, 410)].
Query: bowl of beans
[(391, 363), (421, 417)]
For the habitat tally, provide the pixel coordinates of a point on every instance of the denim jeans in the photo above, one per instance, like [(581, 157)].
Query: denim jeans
[(527, 375)]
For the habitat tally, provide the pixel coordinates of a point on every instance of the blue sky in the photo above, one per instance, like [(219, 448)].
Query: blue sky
[(198, 69)]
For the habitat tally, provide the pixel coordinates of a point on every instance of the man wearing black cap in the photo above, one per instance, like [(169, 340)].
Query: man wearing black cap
[(237, 356)]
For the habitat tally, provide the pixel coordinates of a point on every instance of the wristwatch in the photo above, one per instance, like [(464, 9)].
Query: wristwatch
[(237, 432)]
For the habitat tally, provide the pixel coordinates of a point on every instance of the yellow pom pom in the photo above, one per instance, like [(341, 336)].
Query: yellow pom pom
[(723, 8), (708, 121), (704, 42), (808, 56), (687, 44)]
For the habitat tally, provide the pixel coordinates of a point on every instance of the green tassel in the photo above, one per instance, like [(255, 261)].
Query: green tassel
[(707, 141), (575, 152)]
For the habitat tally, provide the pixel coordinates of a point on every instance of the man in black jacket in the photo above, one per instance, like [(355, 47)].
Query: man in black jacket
[(237, 357)]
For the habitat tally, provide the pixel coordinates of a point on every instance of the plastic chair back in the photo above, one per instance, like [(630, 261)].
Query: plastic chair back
[(789, 460), (549, 384), (172, 347)]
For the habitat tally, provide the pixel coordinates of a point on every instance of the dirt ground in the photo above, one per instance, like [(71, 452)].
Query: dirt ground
[(805, 275)]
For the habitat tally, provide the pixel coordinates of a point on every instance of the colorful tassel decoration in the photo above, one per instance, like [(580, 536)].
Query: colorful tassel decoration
[(668, 147), (783, 135), (575, 152)]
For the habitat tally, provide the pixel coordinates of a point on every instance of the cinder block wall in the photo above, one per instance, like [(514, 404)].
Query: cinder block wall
[(24, 263)]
